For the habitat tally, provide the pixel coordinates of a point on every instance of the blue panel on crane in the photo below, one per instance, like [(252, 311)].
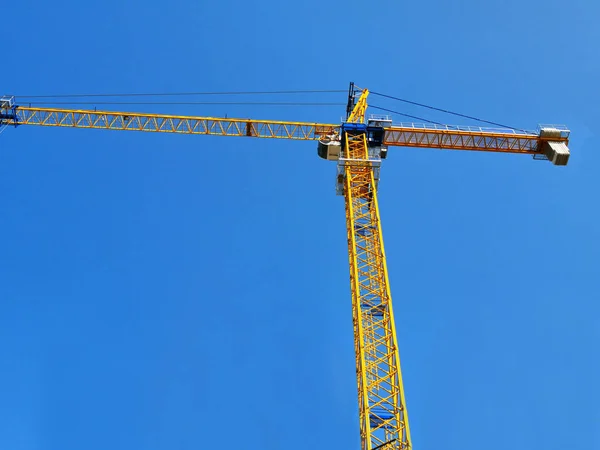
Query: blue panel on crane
[(379, 416), (354, 127)]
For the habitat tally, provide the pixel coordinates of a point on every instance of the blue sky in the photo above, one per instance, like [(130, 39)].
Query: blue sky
[(187, 292)]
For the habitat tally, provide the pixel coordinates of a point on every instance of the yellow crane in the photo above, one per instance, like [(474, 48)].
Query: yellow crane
[(359, 145)]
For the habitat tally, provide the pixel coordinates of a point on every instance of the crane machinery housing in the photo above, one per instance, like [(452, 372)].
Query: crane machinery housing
[(358, 145)]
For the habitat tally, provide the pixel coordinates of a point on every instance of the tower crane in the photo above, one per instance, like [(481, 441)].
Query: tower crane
[(358, 145)]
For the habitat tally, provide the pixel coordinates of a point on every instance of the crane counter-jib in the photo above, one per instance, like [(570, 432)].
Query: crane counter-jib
[(550, 141)]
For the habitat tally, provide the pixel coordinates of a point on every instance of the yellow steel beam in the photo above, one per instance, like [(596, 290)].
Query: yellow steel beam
[(111, 120), (358, 113), (469, 138)]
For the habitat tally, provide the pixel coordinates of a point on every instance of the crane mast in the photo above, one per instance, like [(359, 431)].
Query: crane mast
[(358, 145), (383, 416)]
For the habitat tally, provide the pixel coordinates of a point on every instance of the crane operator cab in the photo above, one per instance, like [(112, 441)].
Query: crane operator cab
[(329, 148)]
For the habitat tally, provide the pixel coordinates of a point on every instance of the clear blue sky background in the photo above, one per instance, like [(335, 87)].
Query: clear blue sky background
[(163, 292)]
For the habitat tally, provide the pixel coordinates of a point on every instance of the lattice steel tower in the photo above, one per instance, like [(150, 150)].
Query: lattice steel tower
[(358, 146)]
